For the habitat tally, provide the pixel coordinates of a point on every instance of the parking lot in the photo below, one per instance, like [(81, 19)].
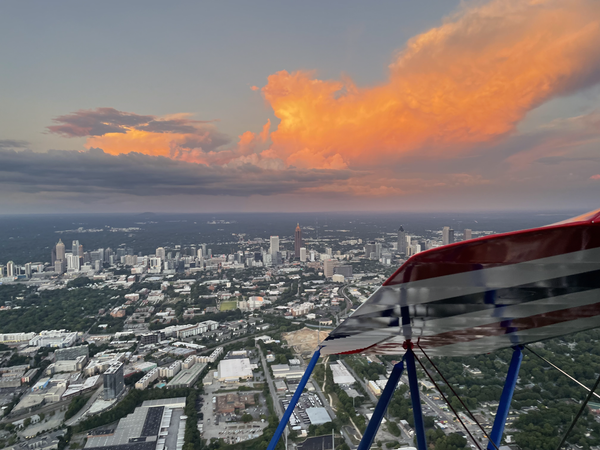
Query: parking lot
[(300, 417)]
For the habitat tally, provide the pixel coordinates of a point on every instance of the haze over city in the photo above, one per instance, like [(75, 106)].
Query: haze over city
[(315, 225), (266, 106)]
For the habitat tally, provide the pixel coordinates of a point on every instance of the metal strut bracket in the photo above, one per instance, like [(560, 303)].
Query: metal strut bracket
[(290, 409), (506, 397), (382, 404), (415, 398)]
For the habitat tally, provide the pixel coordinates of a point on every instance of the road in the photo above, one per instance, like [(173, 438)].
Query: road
[(44, 409), (277, 404), (77, 417), (348, 301), (272, 390)]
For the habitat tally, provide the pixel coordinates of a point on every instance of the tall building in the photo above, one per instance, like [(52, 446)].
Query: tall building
[(11, 270), (59, 266), (160, 253), (75, 248), (328, 266), (401, 241), (60, 250), (447, 236), (274, 248), (468, 234), (113, 381), (28, 270), (73, 262), (371, 250), (297, 241), (345, 270), (303, 254)]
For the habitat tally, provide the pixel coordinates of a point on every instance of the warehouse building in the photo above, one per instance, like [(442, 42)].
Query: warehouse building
[(187, 377), (231, 370), (156, 425)]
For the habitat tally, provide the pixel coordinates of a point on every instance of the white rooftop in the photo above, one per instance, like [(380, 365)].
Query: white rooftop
[(232, 369), (341, 375), (318, 416)]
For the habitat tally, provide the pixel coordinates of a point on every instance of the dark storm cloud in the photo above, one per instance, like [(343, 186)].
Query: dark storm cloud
[(209, 141), (12, 143), (182, 126), (96, 122), (97, 172)]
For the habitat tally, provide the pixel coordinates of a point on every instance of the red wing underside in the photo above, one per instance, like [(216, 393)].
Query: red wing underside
[(484, 294)]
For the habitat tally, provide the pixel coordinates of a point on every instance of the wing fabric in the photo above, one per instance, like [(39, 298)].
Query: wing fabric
[(484, 294)]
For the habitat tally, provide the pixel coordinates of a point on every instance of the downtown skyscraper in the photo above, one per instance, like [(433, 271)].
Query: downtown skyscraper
[(297, 241)]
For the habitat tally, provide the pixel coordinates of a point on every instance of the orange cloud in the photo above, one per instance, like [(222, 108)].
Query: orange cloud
[(450, 89), (595, 177), (466, 82)]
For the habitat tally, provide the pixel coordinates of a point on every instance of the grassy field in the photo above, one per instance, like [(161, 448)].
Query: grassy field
[(228, 306)]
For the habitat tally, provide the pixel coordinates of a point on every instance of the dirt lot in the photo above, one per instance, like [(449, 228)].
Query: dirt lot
[(305, 340)]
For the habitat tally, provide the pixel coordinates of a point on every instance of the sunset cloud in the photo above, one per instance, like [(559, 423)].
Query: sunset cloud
[(458, 90), (469, 81)]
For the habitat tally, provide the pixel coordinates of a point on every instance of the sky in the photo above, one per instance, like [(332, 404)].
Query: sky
[(299, 106)]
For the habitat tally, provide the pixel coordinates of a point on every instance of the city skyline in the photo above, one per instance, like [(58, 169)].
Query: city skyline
[(395, 107)]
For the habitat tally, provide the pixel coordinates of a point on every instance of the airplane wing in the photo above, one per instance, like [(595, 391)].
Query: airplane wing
[(484, 294)]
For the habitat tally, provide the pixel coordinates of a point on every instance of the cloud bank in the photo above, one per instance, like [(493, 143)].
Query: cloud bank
[(95, 171), (445, 120)]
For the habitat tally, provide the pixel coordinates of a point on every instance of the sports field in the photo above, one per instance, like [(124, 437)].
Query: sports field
[(228, 306)]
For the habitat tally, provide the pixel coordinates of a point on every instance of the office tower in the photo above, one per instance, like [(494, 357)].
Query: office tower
[(329, 251), (345, 270), (312, 256), (113, 381), (468, 234), (59, 266), (204, 254), (447, 236), (160, 253), (72, 262), (328, 266), (370, 251), (53, 255), (75, 248), (274, 248), (28, 270), (60, 250), (11, 270), (378, 250), (107, 254), (297, 241), (303, 254), (97, 255), (80, 251), (401, 241)]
